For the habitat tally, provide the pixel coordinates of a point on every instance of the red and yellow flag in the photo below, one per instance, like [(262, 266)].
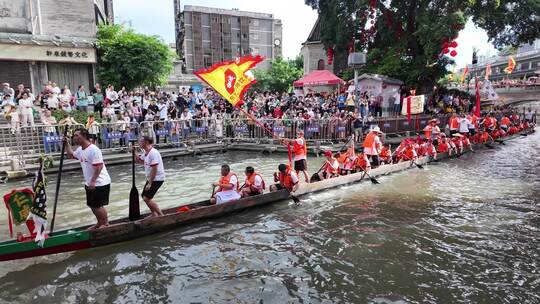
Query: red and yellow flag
[(465, 72), (488, 71), (511, 65), (229, 78)]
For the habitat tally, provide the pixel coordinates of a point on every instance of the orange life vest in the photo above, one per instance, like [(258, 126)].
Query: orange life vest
[(285, 179), (362, 162), (227, 180), (386, 153), (370, 141), (250, 181), (343, 157), (300, 150)]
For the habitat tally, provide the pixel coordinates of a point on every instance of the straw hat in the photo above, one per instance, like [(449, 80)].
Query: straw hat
[(376, 129)]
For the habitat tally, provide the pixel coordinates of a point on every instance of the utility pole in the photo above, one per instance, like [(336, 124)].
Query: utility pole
[(356, 60)]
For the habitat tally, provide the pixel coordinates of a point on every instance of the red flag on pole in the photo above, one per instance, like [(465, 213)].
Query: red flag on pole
[(477, 109)]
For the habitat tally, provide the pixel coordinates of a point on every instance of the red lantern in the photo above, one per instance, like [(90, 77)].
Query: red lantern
[(445, 51), (330, 55), (454, 44), (453, 53)]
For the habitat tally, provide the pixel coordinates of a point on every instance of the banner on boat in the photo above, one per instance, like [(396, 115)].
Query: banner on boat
[(231, 79), (37, 212), (18, 202)]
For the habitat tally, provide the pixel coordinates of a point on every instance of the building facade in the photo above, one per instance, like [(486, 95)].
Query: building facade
[(50, 40), (205, 36), (527, 64), (314, 53)]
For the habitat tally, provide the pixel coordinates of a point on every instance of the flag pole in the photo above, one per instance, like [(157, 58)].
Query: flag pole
[(59, 178)]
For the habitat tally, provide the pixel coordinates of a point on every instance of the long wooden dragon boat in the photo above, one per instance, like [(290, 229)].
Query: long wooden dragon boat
[(123, 229)]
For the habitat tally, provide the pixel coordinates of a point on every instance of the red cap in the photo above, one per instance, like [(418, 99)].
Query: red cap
[(328, 153)]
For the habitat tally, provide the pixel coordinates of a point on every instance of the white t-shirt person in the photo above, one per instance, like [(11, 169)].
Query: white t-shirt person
[(90, 157), (153, 158)]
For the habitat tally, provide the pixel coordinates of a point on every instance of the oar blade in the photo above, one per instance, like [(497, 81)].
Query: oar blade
[(374, 180), (134, 210)]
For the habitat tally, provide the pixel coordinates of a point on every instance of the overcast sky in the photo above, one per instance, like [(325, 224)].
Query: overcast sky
[(156, 17)]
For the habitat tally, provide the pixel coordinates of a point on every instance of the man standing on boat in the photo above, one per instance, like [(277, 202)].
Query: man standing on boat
[(97, 182), (227, 187), (154, 171), (300, 154), (254, 184), (372, 146), (287, 179)]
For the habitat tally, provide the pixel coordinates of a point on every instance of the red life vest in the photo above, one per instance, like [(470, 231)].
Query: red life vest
[(409, 153), (227, 180), (443, 147), (484, 137), (454, 123)]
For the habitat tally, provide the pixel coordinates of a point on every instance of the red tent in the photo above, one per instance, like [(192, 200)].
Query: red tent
[(321, 77)]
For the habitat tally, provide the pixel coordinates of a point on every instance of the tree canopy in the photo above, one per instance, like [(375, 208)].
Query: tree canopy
[(280, 76), (130, 59), (404, 39)]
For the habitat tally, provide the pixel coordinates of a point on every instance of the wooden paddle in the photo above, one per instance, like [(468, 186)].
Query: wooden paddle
[(417, 165), (134, 209), (59, 178), (371, 178), (213, 192)]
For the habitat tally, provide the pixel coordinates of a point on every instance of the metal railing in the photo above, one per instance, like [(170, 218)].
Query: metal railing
[(27, 143)]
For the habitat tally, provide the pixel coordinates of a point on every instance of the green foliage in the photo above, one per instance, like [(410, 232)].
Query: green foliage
[(129, 59), (406, 39), (79, 116), (280, 76)]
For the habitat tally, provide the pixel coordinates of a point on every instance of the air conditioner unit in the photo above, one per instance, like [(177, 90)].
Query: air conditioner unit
[(356, 59)]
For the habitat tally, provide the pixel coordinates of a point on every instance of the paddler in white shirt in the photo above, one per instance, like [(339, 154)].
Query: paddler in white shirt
[(227, 187)]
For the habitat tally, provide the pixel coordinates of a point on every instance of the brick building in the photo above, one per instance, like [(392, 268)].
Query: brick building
[(42, 40), (206, 35)]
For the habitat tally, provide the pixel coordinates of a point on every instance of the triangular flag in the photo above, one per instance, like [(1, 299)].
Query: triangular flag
[(511, 65), (488, 71), (231, 79), (465, 72)]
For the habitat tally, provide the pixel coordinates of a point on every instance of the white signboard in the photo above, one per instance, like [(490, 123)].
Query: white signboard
[(47, 53)]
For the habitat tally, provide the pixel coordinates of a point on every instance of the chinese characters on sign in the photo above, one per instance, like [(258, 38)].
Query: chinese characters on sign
[(66, 54)]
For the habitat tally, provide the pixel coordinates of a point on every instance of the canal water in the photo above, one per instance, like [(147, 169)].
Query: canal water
[(462, 231)]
